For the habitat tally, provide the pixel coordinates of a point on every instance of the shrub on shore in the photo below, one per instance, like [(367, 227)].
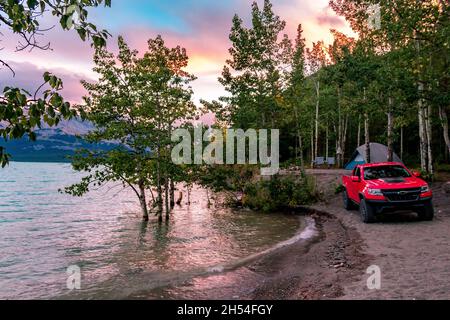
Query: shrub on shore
[(280, 193)]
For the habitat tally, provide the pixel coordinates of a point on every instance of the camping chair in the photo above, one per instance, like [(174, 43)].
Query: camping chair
[(320, 161), (331, 161)]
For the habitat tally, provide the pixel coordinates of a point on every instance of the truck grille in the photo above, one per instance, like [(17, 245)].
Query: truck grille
[(402, 195)]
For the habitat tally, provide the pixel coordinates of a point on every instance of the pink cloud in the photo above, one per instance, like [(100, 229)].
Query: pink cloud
[(329, 18), (66, 49), (29, 77), (206, 41)]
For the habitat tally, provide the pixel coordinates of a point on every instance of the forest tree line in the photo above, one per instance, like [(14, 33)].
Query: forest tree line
[(390, 84)]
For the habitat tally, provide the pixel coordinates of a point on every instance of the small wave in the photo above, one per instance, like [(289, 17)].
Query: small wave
[(307, 233), (15, 220)]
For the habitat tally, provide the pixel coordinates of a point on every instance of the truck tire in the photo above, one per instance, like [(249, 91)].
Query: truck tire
[(367, 212), (427, 212), (348, 204)]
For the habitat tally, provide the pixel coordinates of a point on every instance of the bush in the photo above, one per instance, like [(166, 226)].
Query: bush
[(280, 193), (426, 176), (339, 189), (443, 167)]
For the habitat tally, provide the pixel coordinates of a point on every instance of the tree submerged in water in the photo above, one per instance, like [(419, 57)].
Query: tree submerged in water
[(136, 103)]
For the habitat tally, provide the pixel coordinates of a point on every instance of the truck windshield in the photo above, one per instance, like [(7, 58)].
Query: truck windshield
[(382, 172)]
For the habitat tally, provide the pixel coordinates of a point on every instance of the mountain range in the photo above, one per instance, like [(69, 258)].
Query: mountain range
[(53, 144)]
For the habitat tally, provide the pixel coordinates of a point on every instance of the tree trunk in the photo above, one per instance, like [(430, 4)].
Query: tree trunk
[(422, 134), (166, 197), (207, 199), (299, 152), (297, 136), (189, 195), (300, 146), (159, 188), (143, 201), (390, 129), (326, 143), (296, 143), (429, 139), (344, 137), (426, 158), (167, 182), (401, 143), (316, 143), (153, 197), (171, 183), (444, 122), (312, 147), (339, 152), (367, 137), (358, 142), (337, 146), (172, 194), (366, 129)]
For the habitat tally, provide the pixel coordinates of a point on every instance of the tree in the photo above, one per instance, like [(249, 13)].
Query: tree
[(256, 72), (135, 102), (337, 75), (420, 30), (317, 59), (171, 95), (295, 93), (21, 111)]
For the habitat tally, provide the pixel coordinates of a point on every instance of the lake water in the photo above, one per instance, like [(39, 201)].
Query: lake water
[(43, 233)]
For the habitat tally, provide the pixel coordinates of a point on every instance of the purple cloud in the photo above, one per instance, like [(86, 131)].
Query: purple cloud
[(328, 18), (29, 77)]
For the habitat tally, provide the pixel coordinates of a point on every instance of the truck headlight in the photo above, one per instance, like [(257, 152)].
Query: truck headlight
[(425, 189), (374, 192)]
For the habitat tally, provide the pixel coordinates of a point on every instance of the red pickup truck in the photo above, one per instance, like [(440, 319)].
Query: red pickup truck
[(386, 187)]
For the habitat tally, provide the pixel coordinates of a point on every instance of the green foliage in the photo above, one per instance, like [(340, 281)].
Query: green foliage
[(227, 178), (443, 168), (3, 157), (430, 177), (280, 193), (136, 102), (255, 75), (339, 189), (22, 17), (20, 111)]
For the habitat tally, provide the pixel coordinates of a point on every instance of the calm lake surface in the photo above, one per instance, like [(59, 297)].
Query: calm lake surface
[(43, 232)]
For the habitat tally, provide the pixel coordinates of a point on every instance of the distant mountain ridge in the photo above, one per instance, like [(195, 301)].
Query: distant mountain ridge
[(53, 144)]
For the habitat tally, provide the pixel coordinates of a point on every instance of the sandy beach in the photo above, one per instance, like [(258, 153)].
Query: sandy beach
[(413, 256)]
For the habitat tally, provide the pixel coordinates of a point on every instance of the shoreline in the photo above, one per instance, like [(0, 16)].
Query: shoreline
[(314, 266), (316, 270), (412, 255)]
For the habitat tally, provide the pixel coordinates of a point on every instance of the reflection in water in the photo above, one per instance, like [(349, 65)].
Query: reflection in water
[(43, 232), (143, 232)]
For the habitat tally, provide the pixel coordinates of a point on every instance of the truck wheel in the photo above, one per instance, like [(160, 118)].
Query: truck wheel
[(427, 212), (367, 212), (348, 204)]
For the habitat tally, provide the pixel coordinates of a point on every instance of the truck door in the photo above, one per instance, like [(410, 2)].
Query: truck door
[(353, 192), (357, 185)]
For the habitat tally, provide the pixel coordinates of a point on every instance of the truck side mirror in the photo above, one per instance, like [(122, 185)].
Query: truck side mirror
[(417, 174), (355, 179)]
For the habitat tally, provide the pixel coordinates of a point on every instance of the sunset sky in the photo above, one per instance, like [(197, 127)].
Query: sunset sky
[(201, 26)]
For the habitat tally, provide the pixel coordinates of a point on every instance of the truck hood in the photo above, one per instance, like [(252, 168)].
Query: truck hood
[(396, 183)]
